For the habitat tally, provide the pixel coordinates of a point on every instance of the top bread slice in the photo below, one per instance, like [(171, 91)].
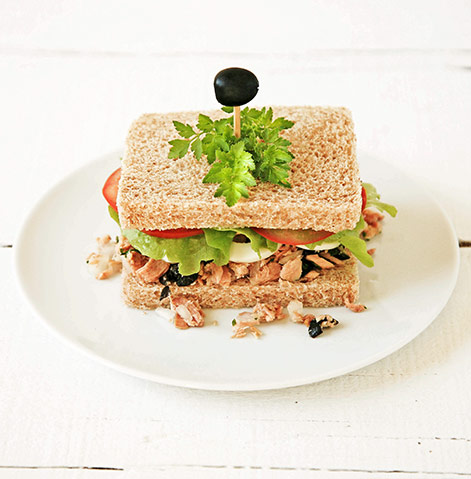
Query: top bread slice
[(156, 192)]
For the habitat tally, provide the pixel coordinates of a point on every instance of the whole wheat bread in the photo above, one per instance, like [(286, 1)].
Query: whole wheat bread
[(334, 287), (156, 192)]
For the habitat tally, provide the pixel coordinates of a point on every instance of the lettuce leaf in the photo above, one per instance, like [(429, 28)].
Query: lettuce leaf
[(213, 245), (372, 199), (351, 240)]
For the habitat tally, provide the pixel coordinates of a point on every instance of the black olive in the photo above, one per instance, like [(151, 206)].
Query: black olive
[(235, 86), (338, 253), (187, 280), (174, 276), (171, 275), (164, 293), (308, 265), (314, 329)]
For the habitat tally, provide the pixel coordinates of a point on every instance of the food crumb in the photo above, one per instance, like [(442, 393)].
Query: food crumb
[(104, 263)]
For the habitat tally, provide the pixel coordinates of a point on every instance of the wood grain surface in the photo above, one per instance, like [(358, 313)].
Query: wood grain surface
[(73, 76)]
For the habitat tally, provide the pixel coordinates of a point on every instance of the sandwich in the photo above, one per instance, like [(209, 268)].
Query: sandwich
[(190, 237)]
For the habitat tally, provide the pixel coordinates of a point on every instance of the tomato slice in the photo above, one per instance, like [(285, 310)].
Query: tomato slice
[(293, 237), (110, 192), (363, 198), (110, 189), (177, 233)]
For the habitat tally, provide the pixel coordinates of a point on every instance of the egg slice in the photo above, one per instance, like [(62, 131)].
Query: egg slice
[(325, 245), (243, 253)]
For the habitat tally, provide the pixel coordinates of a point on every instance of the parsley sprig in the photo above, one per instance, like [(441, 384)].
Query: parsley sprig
[(260, 153)]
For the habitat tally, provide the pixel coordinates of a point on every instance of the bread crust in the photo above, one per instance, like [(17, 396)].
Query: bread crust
[(156, 192), (334, 287)]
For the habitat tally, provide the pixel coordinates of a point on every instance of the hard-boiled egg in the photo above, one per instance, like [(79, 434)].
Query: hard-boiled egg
[(243, 253), (325, 245)]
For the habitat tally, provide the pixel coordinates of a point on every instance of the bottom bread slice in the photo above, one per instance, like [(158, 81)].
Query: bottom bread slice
[(334, 287)]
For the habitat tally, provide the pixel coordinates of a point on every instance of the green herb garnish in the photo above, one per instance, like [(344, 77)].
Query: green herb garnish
[(260, 153)]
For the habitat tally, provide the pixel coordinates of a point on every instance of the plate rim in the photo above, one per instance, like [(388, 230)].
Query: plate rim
[(231, 387)]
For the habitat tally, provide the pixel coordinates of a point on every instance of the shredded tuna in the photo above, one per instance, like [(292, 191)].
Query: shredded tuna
[(262, 272), (245, 316), (247, 322), (321, 262), (326, 321), (136, 260), (373, 223), (266, 313), (103, 264), (295, 311), (307, 318), (240, 270), (282, 251), (292, 269), (180, 322), (188, 311), (356, 308), (241, 328), (372, 216), (220, 275), (202, 275), (290, 255), (310, 276), (152, 270), (331, 258)]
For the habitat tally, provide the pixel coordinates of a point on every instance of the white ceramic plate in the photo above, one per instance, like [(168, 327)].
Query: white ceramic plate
[(415, 273)]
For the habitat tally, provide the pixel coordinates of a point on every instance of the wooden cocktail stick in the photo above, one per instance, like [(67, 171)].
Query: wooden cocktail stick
[(237, 121)]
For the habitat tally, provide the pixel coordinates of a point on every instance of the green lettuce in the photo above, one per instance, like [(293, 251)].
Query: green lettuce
[(213, 245), (351, 238), (372, 199)]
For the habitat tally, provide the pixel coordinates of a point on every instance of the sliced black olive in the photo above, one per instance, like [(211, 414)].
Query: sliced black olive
[(308, 265), (314, 329), (235, 86), (173, 273), (174, 276), (187, 280), (339, 253), (164, 293)]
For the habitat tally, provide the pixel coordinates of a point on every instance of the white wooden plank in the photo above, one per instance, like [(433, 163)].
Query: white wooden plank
[(74, 75), (216, 472), (278, 26), (409, 412)]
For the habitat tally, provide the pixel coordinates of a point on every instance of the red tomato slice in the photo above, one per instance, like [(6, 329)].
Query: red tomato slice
[(110, 192), (177, 233), (293, 237), (363, 198)]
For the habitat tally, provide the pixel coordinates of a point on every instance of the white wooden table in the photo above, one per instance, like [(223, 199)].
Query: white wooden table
[(74, 74)]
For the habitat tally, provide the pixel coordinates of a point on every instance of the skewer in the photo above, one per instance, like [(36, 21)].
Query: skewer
[(237, 121)]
